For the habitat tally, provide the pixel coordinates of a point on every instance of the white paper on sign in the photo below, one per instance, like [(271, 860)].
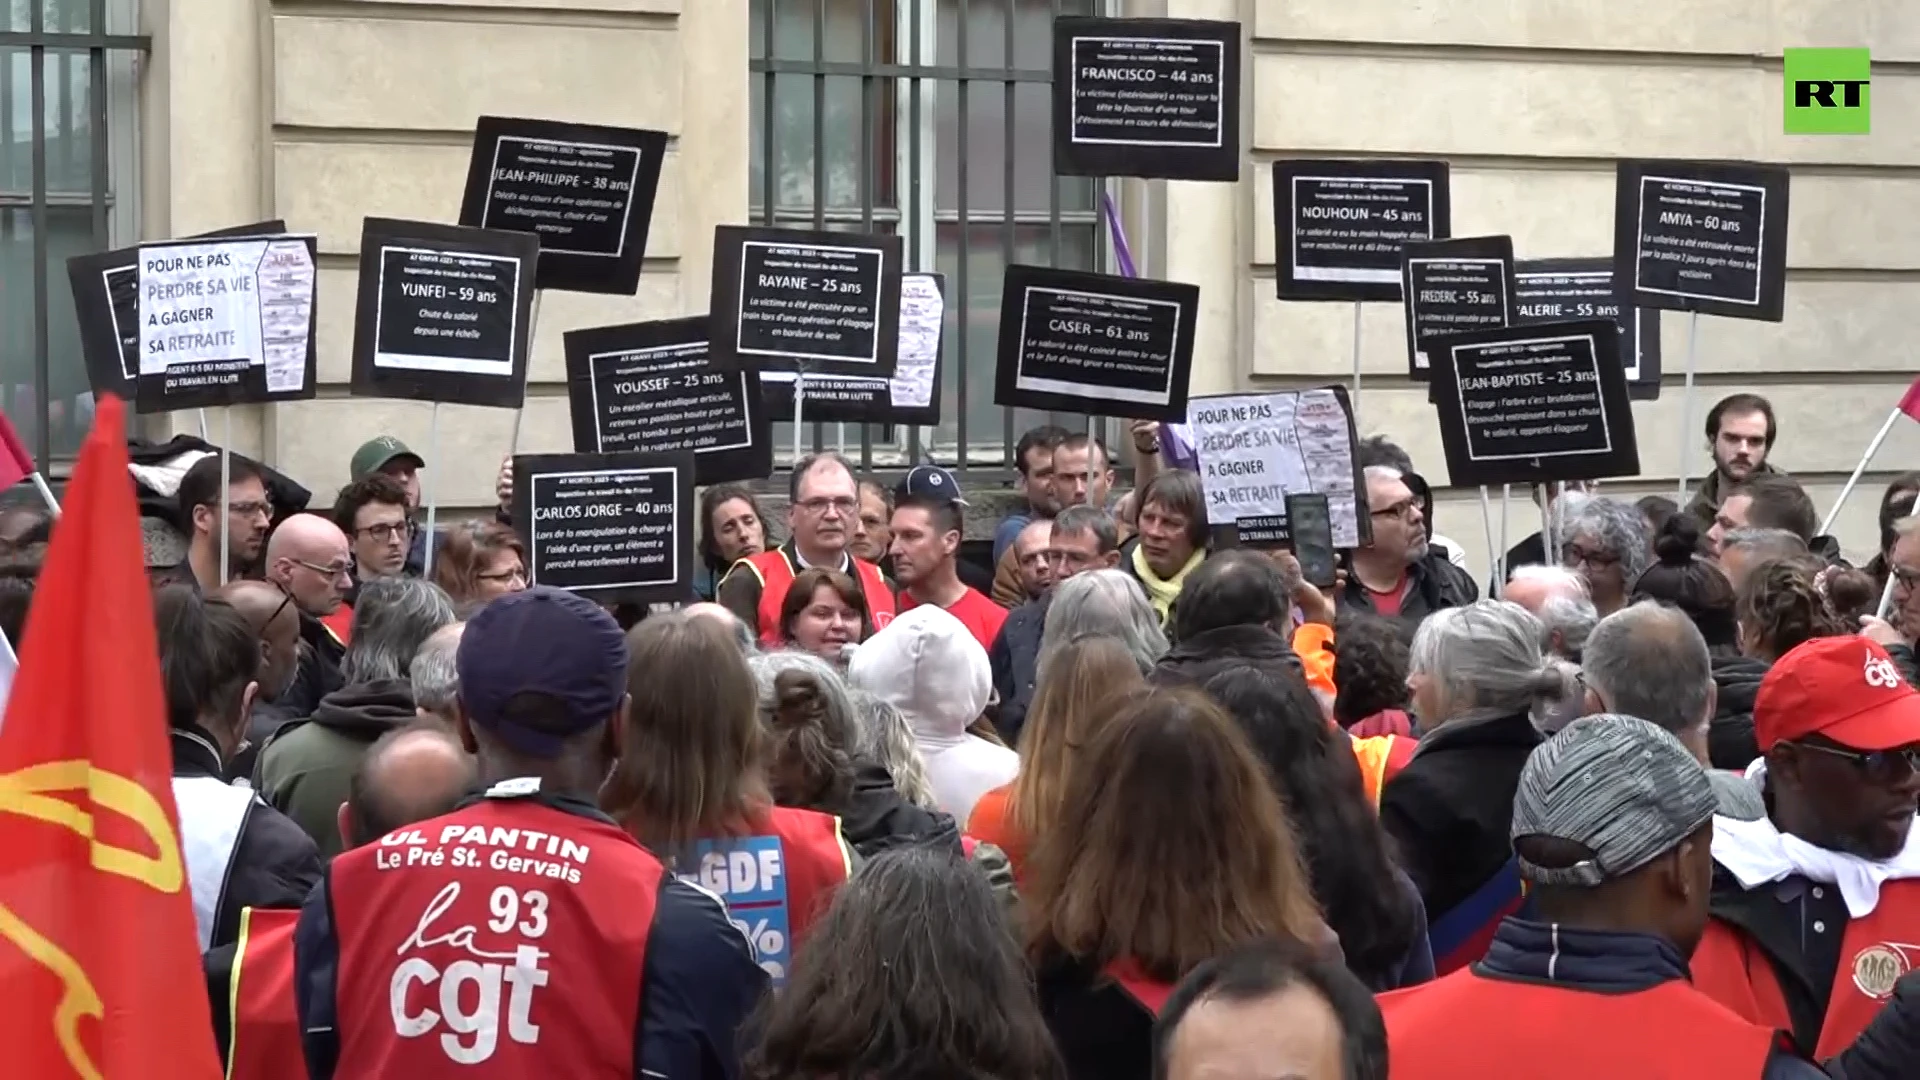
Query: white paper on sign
[(1256, 448), (923, 313), (286, 313), (247, 300)]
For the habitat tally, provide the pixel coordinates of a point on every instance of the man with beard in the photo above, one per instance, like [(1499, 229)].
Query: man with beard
[(1397, 576), (1740, 433), (249, 511), (1816, 906)]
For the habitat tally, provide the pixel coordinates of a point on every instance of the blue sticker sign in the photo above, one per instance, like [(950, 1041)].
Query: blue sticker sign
[(750, 874)]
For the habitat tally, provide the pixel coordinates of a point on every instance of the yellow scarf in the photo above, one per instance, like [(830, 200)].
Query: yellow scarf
[(1161, 593)]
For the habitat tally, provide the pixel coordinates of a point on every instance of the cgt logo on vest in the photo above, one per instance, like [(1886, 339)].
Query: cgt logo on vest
[(1877, 968), (750, 876), (472, 1034)]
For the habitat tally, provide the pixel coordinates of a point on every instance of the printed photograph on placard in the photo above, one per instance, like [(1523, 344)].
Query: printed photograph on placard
[(587, 191), (1536, 403), (1339, 225), (1451, 287), (1257, 449), (1073, 341), (443, 313), (1702, 236), (225, 321), (1146, 97), (613, 527), (796, 300), (1555, 290), (912, 396), (652, 387)]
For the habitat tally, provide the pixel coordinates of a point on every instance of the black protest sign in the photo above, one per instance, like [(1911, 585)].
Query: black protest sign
[(1534, 404), (1555, 290), (652, 387), (912, 396), (444, 313), (613, 527), (225, 321), (106, 301), (586, 191), (1146, 97), (794, 300), (1072, 341), (1702, 236), (1452, 287), (1339, 224)]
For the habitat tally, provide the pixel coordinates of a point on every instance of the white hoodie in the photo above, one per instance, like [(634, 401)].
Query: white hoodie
[(928, 665)]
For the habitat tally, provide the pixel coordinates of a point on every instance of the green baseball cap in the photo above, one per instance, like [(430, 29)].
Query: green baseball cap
[(377, 454)]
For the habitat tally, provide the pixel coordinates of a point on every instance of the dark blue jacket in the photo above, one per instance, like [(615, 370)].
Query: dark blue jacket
[(700, 981)]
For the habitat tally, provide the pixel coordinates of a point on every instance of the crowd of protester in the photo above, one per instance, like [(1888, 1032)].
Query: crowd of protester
[(1117, 801)]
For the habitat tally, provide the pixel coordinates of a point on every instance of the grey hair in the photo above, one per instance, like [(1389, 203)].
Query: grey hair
[(887, 740), (392, 618), (434, 674), (1649, 660), (1766, 544), (1619, 528), (1487, 661), (768, 666), (1567, 610), (1104, 603), (1088, 519)]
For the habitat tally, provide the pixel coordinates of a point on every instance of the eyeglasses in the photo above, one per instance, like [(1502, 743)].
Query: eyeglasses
[(822, 504), (1403, 509), (1575, 555), (328, 572), (1878, 766), (251, 509), (386, 530), (1907, 576), (518, 573)]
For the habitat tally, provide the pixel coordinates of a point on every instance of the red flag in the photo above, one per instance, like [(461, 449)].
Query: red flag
[(15, 463), (1910, 401), (99, 966)]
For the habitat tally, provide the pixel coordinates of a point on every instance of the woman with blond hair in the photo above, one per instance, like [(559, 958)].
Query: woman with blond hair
[(1170, 849), (1079, 679)]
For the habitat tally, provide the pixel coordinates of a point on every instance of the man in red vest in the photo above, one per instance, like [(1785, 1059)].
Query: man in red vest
[(1613, 824), (823, 507), (1816, 906), (406, 776), (524, 933)]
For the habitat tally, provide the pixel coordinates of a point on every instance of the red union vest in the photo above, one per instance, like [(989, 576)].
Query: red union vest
[(1146, 991), (776, 881), (505, 939), (1465, 1024), (1731, 967), (776, 577), (264, 1043)]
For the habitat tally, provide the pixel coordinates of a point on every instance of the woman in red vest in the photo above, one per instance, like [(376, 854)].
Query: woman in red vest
[(1074, 694), (694, 788), (1170, 849)]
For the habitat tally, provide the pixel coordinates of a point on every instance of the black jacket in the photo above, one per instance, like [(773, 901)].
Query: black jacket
[(1531, 551), (1015, 662), (274, 864), (1450, 809), (1435, 584), (287, 496), (875, 817), (1730, 742), (318, 673), (1206, 654)]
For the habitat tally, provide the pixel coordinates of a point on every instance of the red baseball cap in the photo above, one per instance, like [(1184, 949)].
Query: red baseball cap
[(1845, 688)]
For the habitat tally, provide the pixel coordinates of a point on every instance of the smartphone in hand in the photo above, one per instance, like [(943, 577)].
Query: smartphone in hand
[(1310, 523)]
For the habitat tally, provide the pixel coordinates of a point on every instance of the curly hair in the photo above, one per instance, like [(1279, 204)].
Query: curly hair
[(1369, 668), (1780, 607)]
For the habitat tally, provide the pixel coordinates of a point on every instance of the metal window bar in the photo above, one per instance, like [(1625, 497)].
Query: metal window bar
[(910, 77), (65, 42)]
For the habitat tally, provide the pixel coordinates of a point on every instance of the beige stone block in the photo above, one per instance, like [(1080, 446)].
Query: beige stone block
[(559, 312), (713, 157), (614, 7), (1519, 106), (330, 188), (440, 75), (312, 440), (1834, 222)]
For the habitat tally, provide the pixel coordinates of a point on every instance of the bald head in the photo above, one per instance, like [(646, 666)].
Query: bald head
[(725, 619), (407, 776), (261, 602), (303, 536), (308, 556), (1532, 586), (276, 624)]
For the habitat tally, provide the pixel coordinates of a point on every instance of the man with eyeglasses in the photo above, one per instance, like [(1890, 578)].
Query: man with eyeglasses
[(1081, 538), (823, 511), (275, 623), (249, 512), (309, 559), (1398, 576), (374, 513), (1816, 906)]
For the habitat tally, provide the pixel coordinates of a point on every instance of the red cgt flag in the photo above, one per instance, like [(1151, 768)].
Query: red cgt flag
[(15, 463), (99, 970), (1910, 401)]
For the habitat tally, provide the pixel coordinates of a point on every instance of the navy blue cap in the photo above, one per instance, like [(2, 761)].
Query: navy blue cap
[(541, 641), (930, 482)]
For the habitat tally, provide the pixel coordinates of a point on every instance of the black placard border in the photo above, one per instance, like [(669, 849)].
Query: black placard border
[(617, 275), (1646, 321), (447, 387), (753, 461), (729, 247), (1147, 159), (526, 466), (1280, 537), (876, 406), (1774, 182), (1479, 249), (1288, 286), (1010, 348), (1623, 457)]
